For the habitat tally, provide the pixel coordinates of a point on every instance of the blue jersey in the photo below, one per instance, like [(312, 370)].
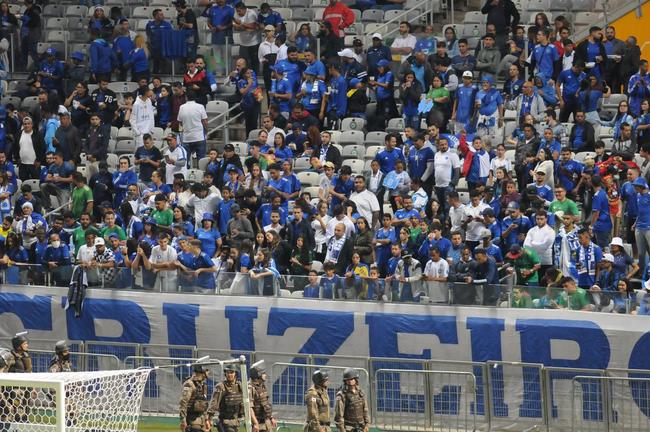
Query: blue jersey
[(443, 244), (342, 187), (569, 173), (224, 215), (523, 225), (382, 252), (208, 240), (263, 214), (282, 86), (330, 285), (600, 203), (221, 16), (628, 195), (643, 217), (314, 94), (543, 191), (281, 184), (418, 160), (465, 103), (338, 101), (490, 101), (545, 56), (293, 72), (385, 93), (387, 159), (570, 84), (154, 33), (550, 147)]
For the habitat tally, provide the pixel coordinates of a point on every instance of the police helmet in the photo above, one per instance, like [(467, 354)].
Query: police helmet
[(6, 358), (350, 373), (257, 369), (18, 340), (61, 347), (199, 368), (319, 376), (230, 367)]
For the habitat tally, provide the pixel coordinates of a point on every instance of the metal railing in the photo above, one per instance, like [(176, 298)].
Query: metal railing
[(227, 122), (425, 9)]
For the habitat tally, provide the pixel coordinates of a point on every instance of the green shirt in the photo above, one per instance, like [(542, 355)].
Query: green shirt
[(106, 231), (567, 206), (524, 301), (164, 217), (80, 199), (436, 93), (79, 236), (526, 261), (576, 301)]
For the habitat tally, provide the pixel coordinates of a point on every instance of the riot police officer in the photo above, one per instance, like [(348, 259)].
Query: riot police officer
[(6, 360), (20, 351), (194, 401), (6, 409), (260, 397), (318, 403), (351, 409), (228, 401), (61, 360)]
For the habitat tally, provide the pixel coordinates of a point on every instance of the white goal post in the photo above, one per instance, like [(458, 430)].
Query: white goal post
[(73, 401)]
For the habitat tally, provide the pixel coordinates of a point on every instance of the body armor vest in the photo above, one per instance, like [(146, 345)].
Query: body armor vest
[(354, 403), (23, 363), (198, 403), (231, 401), (261, 404), (63, 365)]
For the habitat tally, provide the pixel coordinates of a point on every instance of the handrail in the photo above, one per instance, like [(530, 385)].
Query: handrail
[(404, 13)]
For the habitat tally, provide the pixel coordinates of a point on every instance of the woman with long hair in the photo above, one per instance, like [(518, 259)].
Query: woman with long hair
[(139, 59), (6, 192), (590, 96), (452, 42), (301, 259), (282, 152), (623, 115), (319, 225), (263, 274), (149, 232), (255, 180), (180, 217), (79, 104), (304, 40), (642, 124), (410, 92), (210, 237), (133, 226), (355, 278), (363, 242), (541, 22), (13, 253), (545, 163)]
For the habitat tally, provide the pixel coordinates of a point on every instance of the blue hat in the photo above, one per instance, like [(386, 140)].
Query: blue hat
[(354, 82), (207, 216), (383, 63), (640, 181), (77, 55), (488, 79), (113, 235), (311, 70), (150, 221), (278, 68), (50, 51)]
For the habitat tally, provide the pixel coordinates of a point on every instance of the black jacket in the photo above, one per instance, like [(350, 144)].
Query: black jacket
[(332, 155), (295, 230), (98, 149), (504, 16), (588, 137), (580, 54), (39, 146)]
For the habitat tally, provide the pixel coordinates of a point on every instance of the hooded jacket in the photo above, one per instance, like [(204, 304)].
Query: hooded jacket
[(549, 95), (408, 66), (102, 57), (487, 60)]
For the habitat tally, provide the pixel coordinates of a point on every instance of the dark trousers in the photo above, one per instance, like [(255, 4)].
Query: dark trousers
[(159, 62), (27, 172), (250, 54), (569, 108), (251, 117), (442, 193)]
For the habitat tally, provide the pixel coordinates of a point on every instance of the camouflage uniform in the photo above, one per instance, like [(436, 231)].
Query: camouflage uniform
[(228, 401), (351, 410), (7, 410), (318, 409), (194, 404), (57, 365), (23, 362), (261, 404)]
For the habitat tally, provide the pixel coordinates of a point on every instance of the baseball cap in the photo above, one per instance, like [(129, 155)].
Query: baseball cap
[(63, 111), (377, 36), (383, 63), (608, 257), (486, 78), (28, 204), (170, 136), (99, 241), (640, 182), (542, 172), (513, 205), (617, 241), (51, 51), (354, 82), (468, 74), (113, 235), (485, 233), (269, 27), (515, 250), (229, 147), (77, 55), (346, 53), (235, 208), (488, 212)]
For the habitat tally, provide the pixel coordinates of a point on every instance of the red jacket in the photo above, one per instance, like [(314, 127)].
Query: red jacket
[(340, 16)]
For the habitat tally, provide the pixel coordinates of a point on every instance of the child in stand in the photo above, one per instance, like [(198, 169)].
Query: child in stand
[(312, 289), (164, 108), (330, 282), (376, 286)]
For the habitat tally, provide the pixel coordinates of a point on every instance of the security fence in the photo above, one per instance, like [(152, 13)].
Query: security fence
[(404, 394)]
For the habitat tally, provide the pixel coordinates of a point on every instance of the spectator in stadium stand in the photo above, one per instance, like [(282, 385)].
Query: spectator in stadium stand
[(638, 88), (464, 102), (142, 117), (102, 58), (528, 102), (267, 16), (267, 54), (122, 47), (186, 20), (154, 30), (377, 52), (30, 32), (292, 68), (245, 23), (582, 136), (404, 43), (614, 48), (312, 95), (67, 139), (630, 62), (544, 56), (79, 103), (100, 22), (337, 101), (488, 57), (592, 53), (96, 146), (175, 158), (513, 50), (104, 101), (197, 81), (359, 52), (339, 16), (50, 72), (503, 14), (57, 182), (193, 120), (138, 60), (586, 259), (567, 88), (30, 151), (330, 43), (464, 60)]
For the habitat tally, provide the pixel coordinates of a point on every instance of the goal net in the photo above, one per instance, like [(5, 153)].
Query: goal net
[(74, 402)]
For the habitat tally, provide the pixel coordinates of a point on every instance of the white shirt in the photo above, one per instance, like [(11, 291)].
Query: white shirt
[(474, 228), (567, 61), (265, 49), (203, 205), (319, 233), (178, 154), (443, 166), (86, 253), (406, 41), (270, 140), (456, 217), (420, 199), (142, 116), (366, 202), (282, 53), (270, 227), (159, 256), (498, 163), (191, 114), (248, 37), (349, 227), (541, 241), (27, 152), (438, 291), (374, 182)]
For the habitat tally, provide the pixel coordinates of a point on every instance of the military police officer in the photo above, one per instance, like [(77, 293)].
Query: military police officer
[(20, 351), (318, 403), (228, 401), (194, 401), (6, 409), (351, 409), (260, 397), (61, 360)]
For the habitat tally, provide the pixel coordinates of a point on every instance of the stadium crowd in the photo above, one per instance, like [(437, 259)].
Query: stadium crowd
[(474, 183)]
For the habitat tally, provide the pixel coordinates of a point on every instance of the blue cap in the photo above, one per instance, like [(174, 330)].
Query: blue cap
[(354, 82), (50, 51), (640, 181), (150, 221), (77, 55), (383, 63), (113, 235), (488, 79), (278, 68), (311, 70), (207, 216)]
